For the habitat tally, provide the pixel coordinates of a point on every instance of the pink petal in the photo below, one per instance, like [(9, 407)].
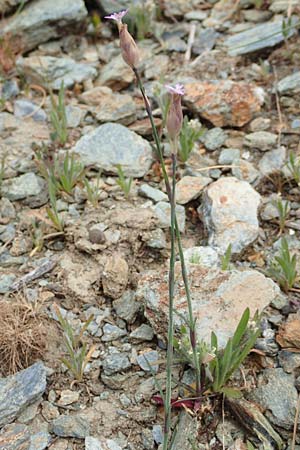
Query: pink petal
[(117, 16), (177, 89)]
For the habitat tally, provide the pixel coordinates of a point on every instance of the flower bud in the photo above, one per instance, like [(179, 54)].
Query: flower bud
[(175, 116), (128, 46)]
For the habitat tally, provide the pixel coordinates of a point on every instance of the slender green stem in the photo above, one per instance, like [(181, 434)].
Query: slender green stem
[(168, 407), (191, 320)]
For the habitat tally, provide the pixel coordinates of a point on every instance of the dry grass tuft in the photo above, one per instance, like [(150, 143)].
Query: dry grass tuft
[(22, 336)]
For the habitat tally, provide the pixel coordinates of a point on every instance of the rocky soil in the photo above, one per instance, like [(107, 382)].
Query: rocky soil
[(239, 62)]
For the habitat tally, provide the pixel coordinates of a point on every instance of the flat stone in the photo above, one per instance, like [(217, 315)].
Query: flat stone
[(190, 188), (112, 332), (37, 23), (288, 335), (74, 116), (260, 124), (187, 431), (67, 397), (23, 108), (15, 437), (48, 70), (224, 103), (154, 194), (115, 362), (110, 106), (143, 126), (196, 15), (289, 85), (115, 276), (163, 213), (20, 390), (244, 170), (127, 307), (155, 239), (115, 74), (143, 333), (229, 212), (289, 361), (112, 144), (40, 440), (257, 38), (148, 358), (71, 426), (219, 298), (228, 155), (261, 140), (279, 6), (214, 138), (272, 161), (27, 185), (7, 209), (92, 443), (6, 281), (10, 88), (282, 406)]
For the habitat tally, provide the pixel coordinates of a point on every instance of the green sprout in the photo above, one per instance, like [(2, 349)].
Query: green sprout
[(2, 169), (283, 208), (68, 174), (78, 353), (283, 268), (93, 190), (293, 166), (124, 183), (190, 133), (58, 117), (238, 347), (225, 259), (141, 19), (52, 211)]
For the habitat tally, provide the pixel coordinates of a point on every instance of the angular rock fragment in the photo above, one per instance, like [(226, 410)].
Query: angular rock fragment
[(37, 22), (219, 298), (224, 103), (229, 212), (112, 144), (20, 390)]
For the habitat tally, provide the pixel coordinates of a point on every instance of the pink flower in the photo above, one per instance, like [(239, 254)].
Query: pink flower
[(117, 16), (175, 116), (177, 89), (130, 52)]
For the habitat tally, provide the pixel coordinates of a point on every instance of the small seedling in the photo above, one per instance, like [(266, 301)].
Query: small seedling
[(124, 183), (93, 190), (195, 259), (68, 174), (225, 259), (2, 170), (235, 352), (163, 100), (293, 166), (283, 268), (141, 19), (78, 353), (190, 133), (52, 211), (283, 208), (58, 117)]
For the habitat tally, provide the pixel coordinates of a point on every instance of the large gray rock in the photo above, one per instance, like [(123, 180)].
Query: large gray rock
[(27, 185), (71, 426), (20, 390), (38, 22), (219, 298), (277, 394), (258, 37), (112, 144), (50, 71), (229, 212), (289, 85)]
